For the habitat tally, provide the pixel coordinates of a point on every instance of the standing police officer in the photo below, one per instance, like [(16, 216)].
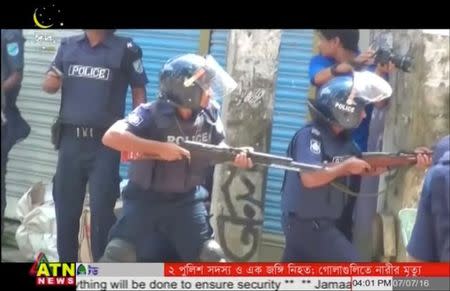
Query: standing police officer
[(14, 127), (93, 71), (310, 204), (430, 239), (163, 201)]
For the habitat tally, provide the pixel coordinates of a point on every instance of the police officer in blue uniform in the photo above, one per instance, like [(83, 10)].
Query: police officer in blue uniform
[(339, 54), (311, 205), (93, 71), (17, 129), (163, 201), (430, 239)]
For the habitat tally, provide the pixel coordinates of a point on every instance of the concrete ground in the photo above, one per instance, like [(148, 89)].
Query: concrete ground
[(10, 251)]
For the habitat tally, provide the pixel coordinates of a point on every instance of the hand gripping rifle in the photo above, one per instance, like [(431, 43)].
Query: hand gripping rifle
[(386, 159), (218, 154)]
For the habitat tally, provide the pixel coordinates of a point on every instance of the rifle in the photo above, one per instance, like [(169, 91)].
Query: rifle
[(217, 155), (386, 159), (126, 156)]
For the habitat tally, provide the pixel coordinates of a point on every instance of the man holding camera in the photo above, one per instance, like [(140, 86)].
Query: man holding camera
[(338, 57)]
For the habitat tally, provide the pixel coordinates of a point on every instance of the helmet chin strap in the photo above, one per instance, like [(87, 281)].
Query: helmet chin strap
[(317, 115), (321, 118), (165, 99), (195, 112)]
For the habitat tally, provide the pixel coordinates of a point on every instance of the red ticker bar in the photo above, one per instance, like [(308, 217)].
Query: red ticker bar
[(305, 269)]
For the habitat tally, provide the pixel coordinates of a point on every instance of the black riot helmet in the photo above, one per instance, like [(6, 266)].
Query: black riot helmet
[(342, 99), (184, 79)]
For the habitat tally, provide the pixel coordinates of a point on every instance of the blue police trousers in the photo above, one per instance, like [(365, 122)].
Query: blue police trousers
[(13, 131), (83, 161), (163, 226), (315, 240), (345, 222)]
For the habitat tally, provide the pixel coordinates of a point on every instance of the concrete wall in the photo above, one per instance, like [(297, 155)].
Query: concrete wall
[(237, 201), (364, 39), (418, 113)]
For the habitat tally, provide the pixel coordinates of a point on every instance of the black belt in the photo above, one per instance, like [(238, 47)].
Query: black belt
[(84, 132), (317, 222), (168, 196)]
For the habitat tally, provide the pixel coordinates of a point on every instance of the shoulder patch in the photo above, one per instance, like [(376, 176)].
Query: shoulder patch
[(314, 146), (12, 49)]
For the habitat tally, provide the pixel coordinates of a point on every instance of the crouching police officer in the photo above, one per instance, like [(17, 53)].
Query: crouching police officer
[(163, 201), (310, 204), (94, 70)]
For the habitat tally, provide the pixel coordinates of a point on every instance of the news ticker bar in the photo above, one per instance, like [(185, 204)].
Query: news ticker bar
[(394, 270), (261, 283)]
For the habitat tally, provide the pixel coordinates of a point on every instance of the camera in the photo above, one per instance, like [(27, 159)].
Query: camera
[(384, 55)]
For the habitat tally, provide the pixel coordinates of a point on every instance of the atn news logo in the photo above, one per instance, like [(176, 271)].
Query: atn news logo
[(58, 274), (52, 273)]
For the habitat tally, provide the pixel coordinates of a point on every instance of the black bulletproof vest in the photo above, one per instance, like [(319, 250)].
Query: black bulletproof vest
[(178, 176), (325, 201)]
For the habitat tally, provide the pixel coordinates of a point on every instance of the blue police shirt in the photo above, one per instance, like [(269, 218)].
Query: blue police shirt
[(430, 239), (12, 59), (360, 134), (314, 144), (159, 121), (96, 79)]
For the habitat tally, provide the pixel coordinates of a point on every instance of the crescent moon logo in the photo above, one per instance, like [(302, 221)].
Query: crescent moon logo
[(36, 21)]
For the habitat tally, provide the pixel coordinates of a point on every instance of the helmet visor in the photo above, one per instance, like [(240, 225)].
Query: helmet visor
[(369, 87), (212, 78)]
